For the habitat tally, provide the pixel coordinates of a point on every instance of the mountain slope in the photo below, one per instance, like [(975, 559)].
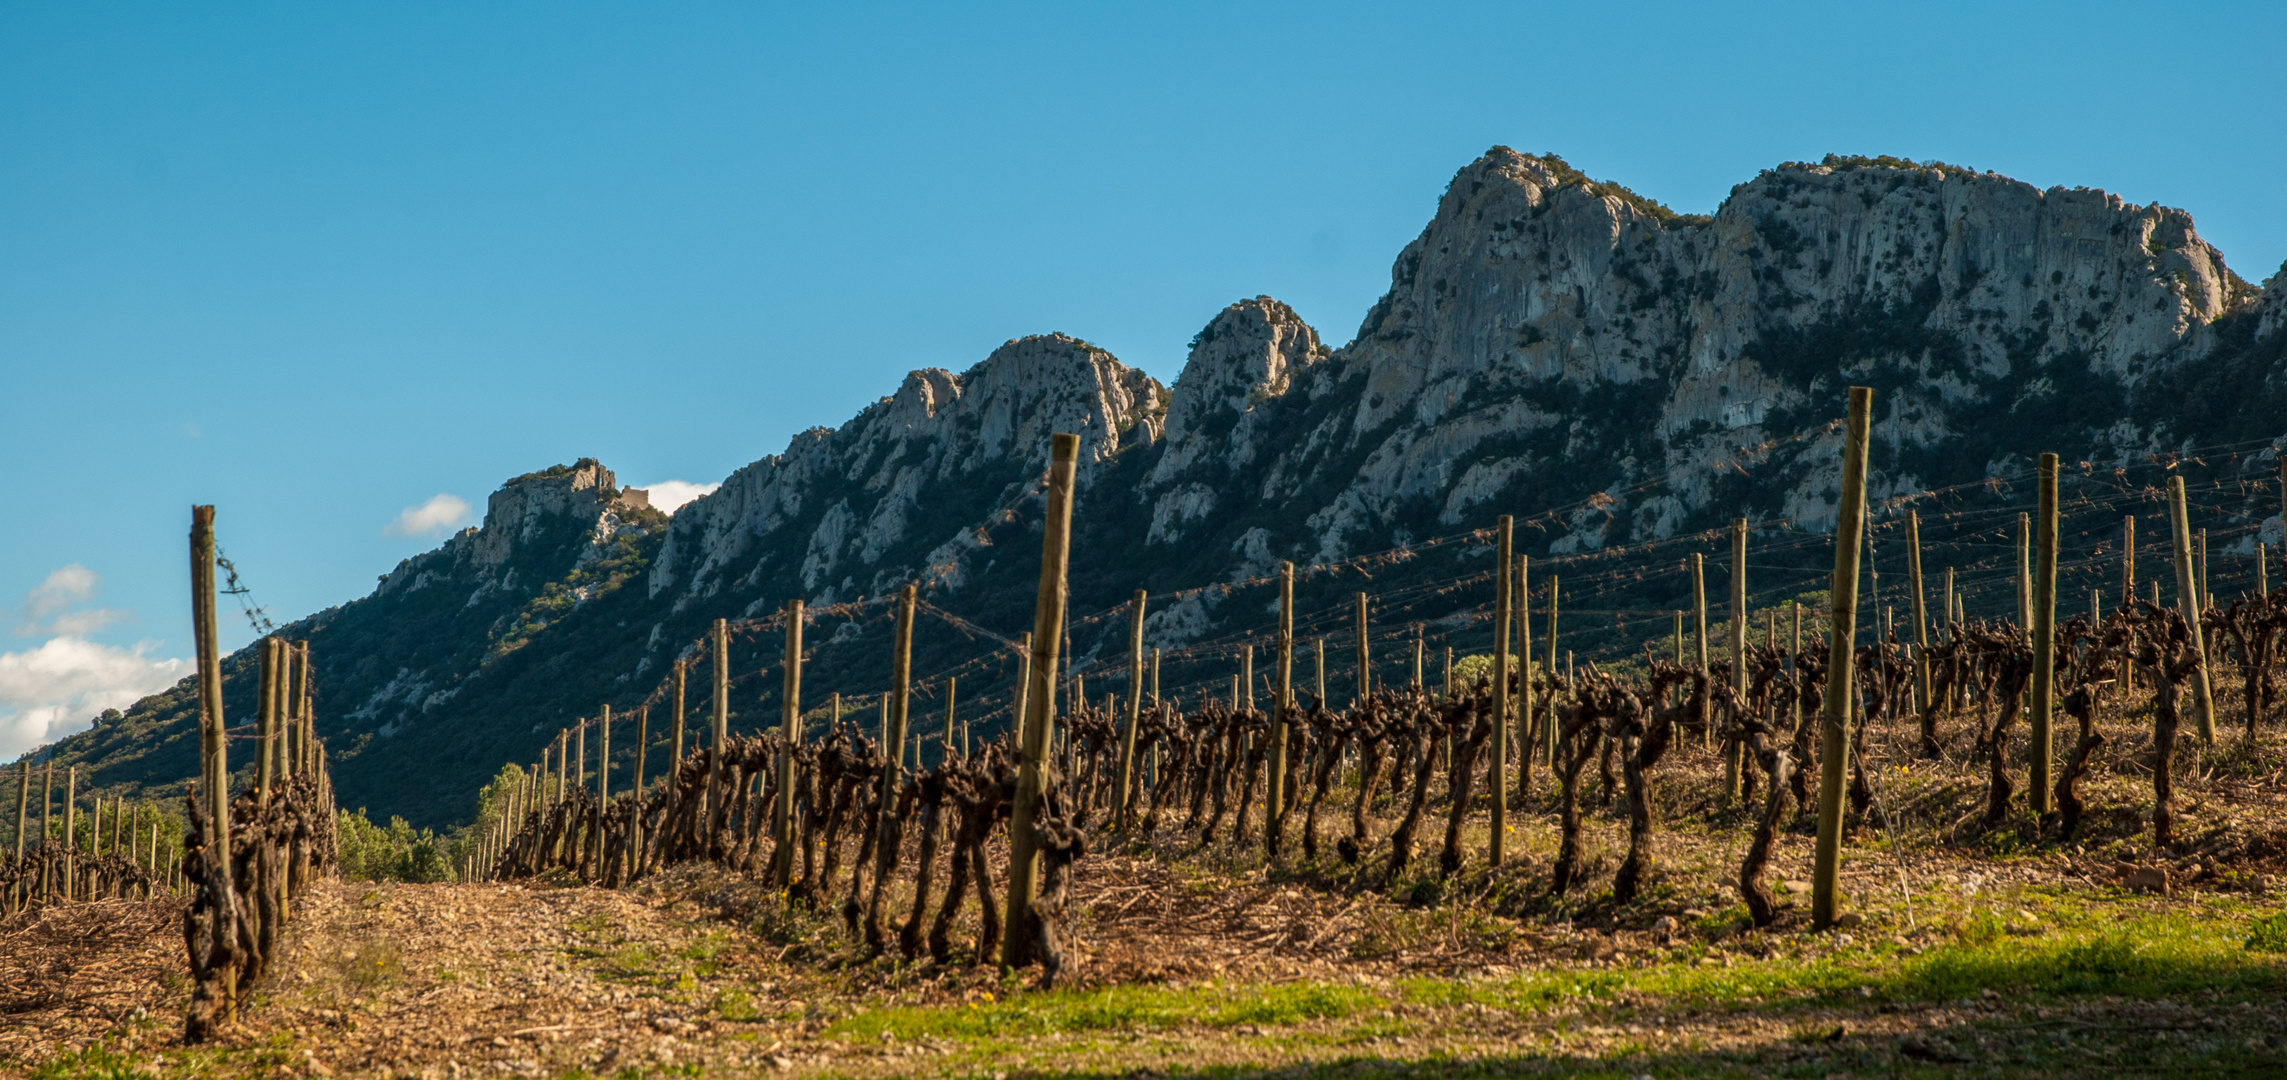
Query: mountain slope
[(1553, 347)]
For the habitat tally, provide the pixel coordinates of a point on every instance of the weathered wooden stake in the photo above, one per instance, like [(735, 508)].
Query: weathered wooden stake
[(1320, 647), (1365, 657), (1498, 778), (682, 668), (1247, 673), (309, 742), (790, 730), (71, 830), (214, 760), (2187, 589), (1733, 754), (1554, 588), (1039, 715), (1699, 636), (642, 747), (23, 802), (2127, 560), (2024, 570), (722, 731), (2044, 627), (1124, 791), (1834, 707), (1525, 697), (2207, 599), (1922, 685), (1283, 705), (1023, 688)]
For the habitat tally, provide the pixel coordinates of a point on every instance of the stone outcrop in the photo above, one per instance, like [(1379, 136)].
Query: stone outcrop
[(832, 510)]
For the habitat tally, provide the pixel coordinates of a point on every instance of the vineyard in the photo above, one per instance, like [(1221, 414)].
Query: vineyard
[(1838, 823)]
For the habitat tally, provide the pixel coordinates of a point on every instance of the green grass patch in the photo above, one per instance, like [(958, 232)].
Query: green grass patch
[(101, 1062), (1119, 1007), (2268, 934), (2149, 957)]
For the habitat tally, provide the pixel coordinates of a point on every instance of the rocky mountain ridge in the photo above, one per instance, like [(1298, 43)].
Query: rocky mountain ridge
[(1549, 345)]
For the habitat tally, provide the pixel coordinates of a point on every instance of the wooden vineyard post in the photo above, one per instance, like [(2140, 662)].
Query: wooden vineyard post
[(2044, 637), (1023, 685), (682, 668), (1319, 645), (1699, 608), (642, 751), (282, 713), (1922, 686), (2208, 598), (23, 804), (1124, 790), (2127, 591), (212, 926), (1795, 664), (265, 715), (71, 832), (790, 732), (1039, 713), (715, 803), (2127, 560), (1834, 706), (1524, 606), (2187, 591), (1418, 645), (298, 697), (1365, 658), (1282, 706), (603, 757), (2024, 570), (952, 737), (1551, 725), (1733, 754), (1497, 784), (1247, 674), (309, 718), (582, 834)]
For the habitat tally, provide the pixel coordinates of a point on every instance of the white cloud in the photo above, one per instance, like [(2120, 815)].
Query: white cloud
[(47, 608), (667, 496), (52, 691), (440, 513)]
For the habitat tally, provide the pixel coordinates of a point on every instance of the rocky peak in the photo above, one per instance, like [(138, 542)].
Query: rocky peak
[(854, 496), (1033, 387), (560, 512), (523, 506), (1252, 352), (2271, 306)]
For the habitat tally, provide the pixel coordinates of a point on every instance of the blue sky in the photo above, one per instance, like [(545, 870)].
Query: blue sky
[(321, 264)]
